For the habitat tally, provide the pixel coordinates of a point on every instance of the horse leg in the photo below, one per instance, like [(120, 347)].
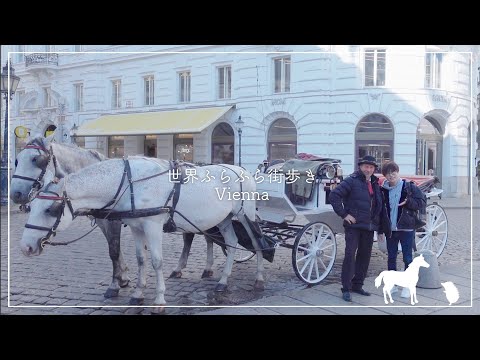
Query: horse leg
[(226, 229), (259, 281), (413, 292), (385, 294), (111, 230), (208, 272), (137, 296), (182, 263), (154, 236), (388, 287)]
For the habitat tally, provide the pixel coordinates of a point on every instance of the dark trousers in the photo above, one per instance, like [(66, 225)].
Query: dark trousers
[(406, 239), (358, 249)]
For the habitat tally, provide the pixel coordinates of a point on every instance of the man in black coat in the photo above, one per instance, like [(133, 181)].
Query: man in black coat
[(358, 201)]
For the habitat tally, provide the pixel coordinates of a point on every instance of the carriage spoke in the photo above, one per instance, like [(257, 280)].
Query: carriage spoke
[(303, 248), (311, 268), (316, 269), (305, 265), (326, 247), (436, 226), (304, 257), (323, 264)]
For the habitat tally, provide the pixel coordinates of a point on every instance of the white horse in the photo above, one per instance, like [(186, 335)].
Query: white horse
[(42, 160), (37, 165), (199, 202), (407, 279)]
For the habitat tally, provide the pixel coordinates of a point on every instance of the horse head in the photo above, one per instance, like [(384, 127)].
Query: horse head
[(50, 212), (31, 169), (420, 262)]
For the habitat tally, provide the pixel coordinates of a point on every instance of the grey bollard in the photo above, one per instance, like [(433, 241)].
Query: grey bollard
[(429, 278)]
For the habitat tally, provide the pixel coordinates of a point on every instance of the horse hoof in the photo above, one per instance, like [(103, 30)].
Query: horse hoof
[(159, 310), (175, 275), (136, 301), (259, 285), (207, 274), (124, 283), (220, 287), (110, 293)]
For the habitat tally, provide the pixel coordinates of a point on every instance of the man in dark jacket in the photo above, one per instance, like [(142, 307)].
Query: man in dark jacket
[(358, 201)]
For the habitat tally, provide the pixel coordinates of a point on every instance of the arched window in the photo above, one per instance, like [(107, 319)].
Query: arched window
[(223, 144), (374, 136), (282, 140), (429, 147)]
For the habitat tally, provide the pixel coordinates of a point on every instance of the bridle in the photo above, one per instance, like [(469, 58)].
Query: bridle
[(58, 210), (42, 161)]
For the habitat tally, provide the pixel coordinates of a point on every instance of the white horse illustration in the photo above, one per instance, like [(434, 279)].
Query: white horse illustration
[(407, 279), (94, 186)]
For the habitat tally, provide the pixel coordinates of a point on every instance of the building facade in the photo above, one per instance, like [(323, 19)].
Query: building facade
[(416, 105)]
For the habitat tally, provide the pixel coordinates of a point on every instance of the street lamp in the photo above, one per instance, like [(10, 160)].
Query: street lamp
[(239, 124), (8, 87), (73, 133)]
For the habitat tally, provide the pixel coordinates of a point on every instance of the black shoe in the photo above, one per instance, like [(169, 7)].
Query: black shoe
[(362, 292), (346, 296)]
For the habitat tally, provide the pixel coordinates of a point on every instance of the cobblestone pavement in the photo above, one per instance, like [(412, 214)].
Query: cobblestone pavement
[(79, 274)]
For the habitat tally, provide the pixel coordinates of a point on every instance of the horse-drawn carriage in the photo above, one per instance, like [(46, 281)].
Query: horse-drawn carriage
[(314, 245), (293, 188)]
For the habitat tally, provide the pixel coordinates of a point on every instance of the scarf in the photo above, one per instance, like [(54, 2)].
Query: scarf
[(394, 193)]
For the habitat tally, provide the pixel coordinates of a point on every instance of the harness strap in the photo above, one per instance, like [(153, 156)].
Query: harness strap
[(118, 191), (129, 174)]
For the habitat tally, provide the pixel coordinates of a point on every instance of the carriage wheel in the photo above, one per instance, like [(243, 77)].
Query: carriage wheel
[(314, 252), (241, 254), (433, 236)]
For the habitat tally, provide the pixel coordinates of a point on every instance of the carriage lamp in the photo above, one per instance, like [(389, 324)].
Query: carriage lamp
[(239, 124), (9, 83)]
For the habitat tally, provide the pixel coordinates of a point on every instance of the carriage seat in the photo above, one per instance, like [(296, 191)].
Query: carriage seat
[(300, 190)]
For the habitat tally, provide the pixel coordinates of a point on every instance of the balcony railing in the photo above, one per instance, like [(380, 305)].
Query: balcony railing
[(41, 59)]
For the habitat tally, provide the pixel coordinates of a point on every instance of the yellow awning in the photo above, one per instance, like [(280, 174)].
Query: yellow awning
[(162, 122)]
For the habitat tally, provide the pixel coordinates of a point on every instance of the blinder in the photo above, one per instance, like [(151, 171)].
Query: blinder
[(41, 161), (56, 209)]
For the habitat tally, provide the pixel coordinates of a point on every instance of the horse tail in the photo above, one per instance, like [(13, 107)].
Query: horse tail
[(378, 280)]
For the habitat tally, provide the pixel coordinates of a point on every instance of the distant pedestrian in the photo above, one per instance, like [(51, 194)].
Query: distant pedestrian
[(358, 201)]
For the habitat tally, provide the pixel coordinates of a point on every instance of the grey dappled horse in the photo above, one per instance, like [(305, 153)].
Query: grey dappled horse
[(42, 160), (95, 186)]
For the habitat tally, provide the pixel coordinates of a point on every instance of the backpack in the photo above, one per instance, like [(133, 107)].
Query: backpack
[(421, 214)]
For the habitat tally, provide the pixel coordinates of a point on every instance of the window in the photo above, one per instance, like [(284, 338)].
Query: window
[(19, 95), (78, 97), (374, 136), (115, 146), (183, 147), (184, 78), (282, 74), (150, 146), (116, 94), (78, 48), (223, 144), (20, 55), (49, 48), (225, 82), (433, 70), (282, 140), (149, 90), (375, 60), (47, 97)]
